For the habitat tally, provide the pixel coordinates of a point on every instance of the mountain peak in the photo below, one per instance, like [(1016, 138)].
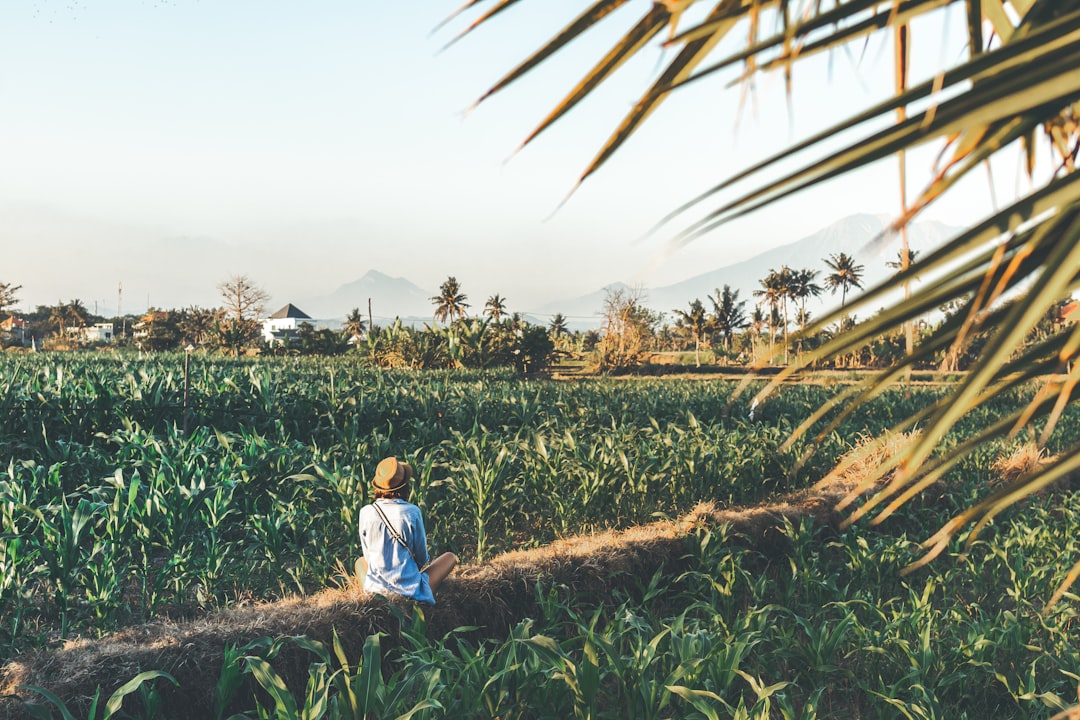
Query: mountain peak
[(389, 297), (862, 236)]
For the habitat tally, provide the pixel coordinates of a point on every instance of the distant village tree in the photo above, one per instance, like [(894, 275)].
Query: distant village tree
[(450, 303), (495, 307), (354, 324), (71, 314), (557, 326), (196, 325), (628, 328), (8, 296), (242, 303), (729, 314), (845, 274), (695, 324), (160, 330)]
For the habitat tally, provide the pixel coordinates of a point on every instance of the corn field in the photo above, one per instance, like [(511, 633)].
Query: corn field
[(138, 488)]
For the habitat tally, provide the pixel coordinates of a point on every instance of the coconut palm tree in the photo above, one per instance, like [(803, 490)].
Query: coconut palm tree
[(58, 317), (729, 314), (450, 302), (695, 323), (803, 285), (557, 326), (354, 324), (900, 263), (758, 322), (905, 256), (196, 325), (495, 307), (774, 293), (71, 314), (1014, 83), (846, 274)]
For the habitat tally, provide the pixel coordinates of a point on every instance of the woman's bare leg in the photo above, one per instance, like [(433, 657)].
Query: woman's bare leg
[(439, 568)]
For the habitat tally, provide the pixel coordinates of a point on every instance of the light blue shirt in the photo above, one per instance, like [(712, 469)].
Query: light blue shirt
[(391, 569)]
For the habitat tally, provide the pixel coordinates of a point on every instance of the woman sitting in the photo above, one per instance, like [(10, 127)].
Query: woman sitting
[(394, 541)]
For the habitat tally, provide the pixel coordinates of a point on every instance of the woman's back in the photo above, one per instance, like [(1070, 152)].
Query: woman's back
[(393, 567)]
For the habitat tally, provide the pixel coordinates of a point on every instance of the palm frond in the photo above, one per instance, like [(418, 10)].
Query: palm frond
[(1017, 84)]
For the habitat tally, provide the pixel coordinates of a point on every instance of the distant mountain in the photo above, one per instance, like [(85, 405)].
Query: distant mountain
[(584, 312), (390, 297), (860, 236)]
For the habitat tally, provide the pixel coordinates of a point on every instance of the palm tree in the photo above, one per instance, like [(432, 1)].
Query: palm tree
[(354, 324), (495, 307), (899, 263), (450, 302), (774, 293), (758, 322), (729, 314), (557, 326), (71, 314), (904, 259), (695, 323), (844, 276), (58, 317), (1015, 83), (196, 324), (803, 285)]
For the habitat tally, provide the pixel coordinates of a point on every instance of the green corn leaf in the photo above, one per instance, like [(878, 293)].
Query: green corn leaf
[(51, 697), (284, 703), (116, 700)]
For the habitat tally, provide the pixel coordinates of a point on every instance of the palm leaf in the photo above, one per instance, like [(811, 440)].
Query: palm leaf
[(586, 20), (499, 7), (1013, 87), (646, 29), (1052, 83), (726, 15), (799, 35), (1033, 49)]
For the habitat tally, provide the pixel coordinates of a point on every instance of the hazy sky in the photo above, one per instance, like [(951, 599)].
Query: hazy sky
[(166, 145)]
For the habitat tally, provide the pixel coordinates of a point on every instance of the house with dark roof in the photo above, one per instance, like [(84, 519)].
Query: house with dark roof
[(282, 325)]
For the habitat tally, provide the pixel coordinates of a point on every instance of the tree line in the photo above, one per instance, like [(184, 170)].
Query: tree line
[(630, 333)]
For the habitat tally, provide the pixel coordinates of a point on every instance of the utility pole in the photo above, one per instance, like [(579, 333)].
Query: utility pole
[(370, 325), (119, 310)]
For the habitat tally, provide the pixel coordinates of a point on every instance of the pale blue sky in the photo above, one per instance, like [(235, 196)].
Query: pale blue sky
[(167, 145)]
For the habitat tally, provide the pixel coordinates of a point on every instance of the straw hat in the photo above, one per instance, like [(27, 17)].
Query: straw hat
[(391, 474)]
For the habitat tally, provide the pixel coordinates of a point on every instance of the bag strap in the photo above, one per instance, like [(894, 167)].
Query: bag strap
[(393, 532)]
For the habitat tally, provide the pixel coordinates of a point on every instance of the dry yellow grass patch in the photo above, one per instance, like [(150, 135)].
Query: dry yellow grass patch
[(1018, 463)]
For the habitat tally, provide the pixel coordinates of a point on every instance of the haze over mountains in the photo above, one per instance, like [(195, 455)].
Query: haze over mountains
[(860, 236)]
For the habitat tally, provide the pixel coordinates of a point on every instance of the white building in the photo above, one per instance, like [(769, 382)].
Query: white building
[(98, 332), (282, 325)]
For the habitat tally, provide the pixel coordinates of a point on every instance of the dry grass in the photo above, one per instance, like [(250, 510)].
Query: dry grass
[(1021, 461), (494, 595)]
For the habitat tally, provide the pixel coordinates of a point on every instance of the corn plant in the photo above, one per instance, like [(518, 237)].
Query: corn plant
[(112, 706), (481, 474)]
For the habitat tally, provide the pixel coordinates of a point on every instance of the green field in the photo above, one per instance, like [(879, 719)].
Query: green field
[(137, 491)]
